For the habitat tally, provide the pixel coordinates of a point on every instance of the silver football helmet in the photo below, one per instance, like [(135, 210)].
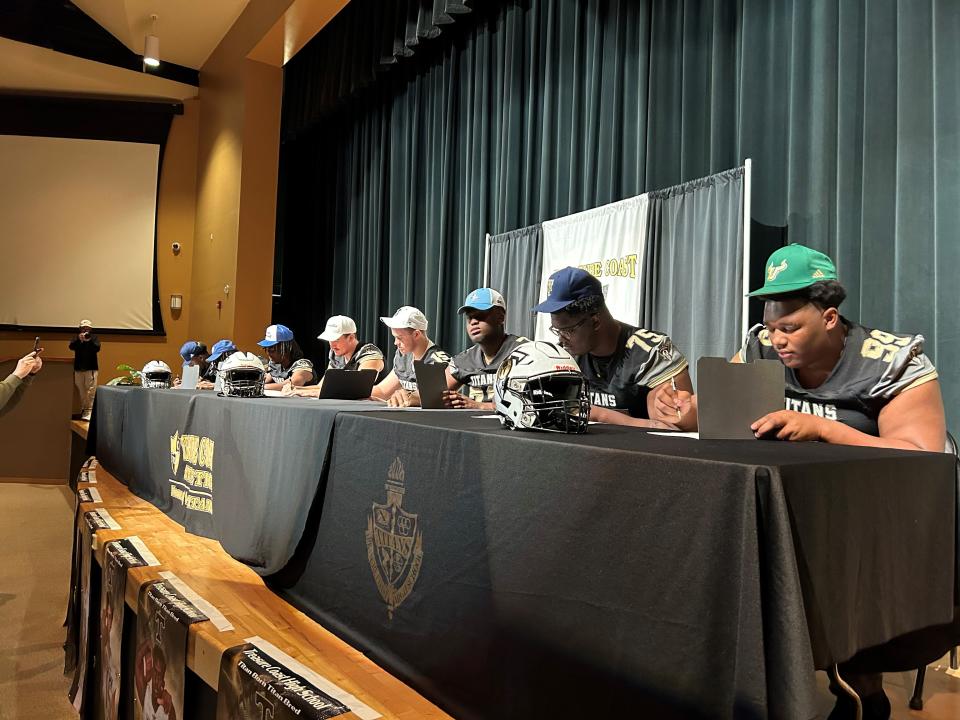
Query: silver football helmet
[(156, 374), (242, 375), (540, 387)]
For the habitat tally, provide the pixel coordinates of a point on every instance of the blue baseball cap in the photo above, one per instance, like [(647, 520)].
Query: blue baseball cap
[(190, 349), (483, 299), (566, 286), (220, 348), (276, 334)]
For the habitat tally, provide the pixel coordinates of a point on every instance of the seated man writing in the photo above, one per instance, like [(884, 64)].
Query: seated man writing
[(222, 349), (844, 383), (626, 367), (409, 329), (287, 364)]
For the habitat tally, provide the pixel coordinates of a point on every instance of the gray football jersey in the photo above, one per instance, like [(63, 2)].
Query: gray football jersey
[(472, 369), (280, 374), (403, 365), (643, 360), (874, 368), (364, 352)]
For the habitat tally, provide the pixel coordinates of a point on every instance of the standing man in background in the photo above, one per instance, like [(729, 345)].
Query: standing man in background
[(85, 347)]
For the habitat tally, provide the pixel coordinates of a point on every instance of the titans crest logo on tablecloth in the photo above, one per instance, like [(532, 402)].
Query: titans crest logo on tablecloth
[(394, 543)]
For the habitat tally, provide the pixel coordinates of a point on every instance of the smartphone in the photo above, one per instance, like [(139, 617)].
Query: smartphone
[(36, 345)]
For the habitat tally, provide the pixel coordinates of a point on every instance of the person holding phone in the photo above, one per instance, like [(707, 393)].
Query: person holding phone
[(85, 347), (12, 389)]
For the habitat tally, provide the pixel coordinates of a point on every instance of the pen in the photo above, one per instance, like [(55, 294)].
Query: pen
[(673, 385)]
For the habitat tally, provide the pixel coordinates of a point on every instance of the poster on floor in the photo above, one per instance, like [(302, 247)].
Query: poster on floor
[(258, 680), (164, 616), (118, 557)]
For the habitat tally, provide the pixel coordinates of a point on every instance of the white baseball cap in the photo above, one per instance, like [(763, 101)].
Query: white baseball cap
[(86, 323), (406, 317), (337, 326)]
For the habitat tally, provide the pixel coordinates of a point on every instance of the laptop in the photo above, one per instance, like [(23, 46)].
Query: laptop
[(731, 396), (191, 375), (431, 382), (347, 384)]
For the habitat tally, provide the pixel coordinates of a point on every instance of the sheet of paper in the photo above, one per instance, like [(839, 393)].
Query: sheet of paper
[(191, 375), (693, 435)]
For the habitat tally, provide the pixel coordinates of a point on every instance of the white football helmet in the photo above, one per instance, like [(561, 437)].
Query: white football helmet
[(156, 374), (540, 387), (242, 375)]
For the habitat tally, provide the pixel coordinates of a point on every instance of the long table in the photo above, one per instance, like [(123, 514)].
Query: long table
[(508, 574)]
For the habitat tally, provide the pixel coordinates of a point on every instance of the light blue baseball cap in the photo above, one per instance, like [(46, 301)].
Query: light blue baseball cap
[(483, 299)]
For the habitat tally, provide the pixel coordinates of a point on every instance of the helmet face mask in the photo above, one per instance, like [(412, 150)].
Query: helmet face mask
[(540, 387), (242, 375), (156, 375)]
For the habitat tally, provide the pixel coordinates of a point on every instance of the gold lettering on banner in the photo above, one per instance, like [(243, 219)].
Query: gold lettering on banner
[(206, 453), (190, 445), (175, 452), (394, 543), (195, 454), (624, 267)]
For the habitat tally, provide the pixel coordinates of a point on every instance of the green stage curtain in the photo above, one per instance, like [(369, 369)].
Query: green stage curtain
[(529, 110)]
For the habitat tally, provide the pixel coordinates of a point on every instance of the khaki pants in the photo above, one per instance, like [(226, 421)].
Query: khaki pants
[(86, 382)]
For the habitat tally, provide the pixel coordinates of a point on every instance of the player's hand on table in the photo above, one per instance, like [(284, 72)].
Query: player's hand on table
[(789, 425), (287, 389), (401, 398), (453, 399), (667, 402), (204, 385)]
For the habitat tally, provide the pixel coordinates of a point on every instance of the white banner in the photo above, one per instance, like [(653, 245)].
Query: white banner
[(608, 242)]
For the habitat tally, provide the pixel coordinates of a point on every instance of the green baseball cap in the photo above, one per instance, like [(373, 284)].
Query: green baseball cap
[(793, 268)]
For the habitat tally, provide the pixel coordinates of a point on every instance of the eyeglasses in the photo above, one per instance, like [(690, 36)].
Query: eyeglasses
[(566, 332)]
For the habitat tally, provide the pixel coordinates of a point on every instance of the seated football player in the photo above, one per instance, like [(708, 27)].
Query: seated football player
[(346, 353), (843, 383), (626, 367), (475, 369), (287, 364), (409, 329), (221, 350), (193, 352)]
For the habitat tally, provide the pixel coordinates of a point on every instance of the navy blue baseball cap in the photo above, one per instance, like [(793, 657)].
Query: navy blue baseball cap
[(220, 348), (566, 286)]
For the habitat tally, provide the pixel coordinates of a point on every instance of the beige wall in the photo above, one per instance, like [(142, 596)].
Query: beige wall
[(237, 184), (176, 211), (218, 190)]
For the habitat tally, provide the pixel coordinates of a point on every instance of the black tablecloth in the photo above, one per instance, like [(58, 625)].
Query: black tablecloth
[(266, 462), (509, 574)]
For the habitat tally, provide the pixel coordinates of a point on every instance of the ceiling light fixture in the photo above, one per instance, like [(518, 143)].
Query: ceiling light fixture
[(151, 46)]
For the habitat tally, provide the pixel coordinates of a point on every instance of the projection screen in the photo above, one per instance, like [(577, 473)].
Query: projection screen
[(77, 219)]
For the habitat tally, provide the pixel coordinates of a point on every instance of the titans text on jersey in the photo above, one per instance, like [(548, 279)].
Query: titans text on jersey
[(622, 381), (874, 368)]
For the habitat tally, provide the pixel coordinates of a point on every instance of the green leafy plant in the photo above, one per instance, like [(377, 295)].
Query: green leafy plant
[(131, 378)]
